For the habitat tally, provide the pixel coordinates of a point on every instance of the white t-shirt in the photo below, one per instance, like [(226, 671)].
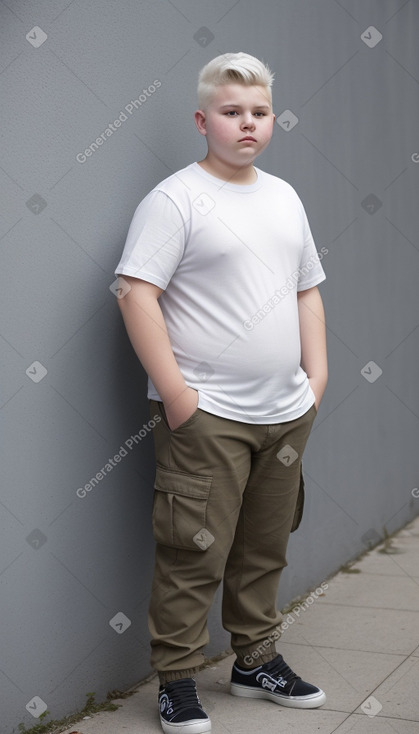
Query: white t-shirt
[(230, 259)]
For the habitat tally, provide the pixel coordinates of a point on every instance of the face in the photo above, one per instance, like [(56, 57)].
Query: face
[(238, 123)]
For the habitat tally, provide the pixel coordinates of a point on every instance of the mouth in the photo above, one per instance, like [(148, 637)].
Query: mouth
[(249, 138)]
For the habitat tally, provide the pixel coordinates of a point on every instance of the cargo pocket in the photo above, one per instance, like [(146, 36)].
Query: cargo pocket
[(298, 514), (180, 509)]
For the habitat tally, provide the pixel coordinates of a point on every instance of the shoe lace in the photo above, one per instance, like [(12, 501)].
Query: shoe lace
[(182, 694), (278, 668)]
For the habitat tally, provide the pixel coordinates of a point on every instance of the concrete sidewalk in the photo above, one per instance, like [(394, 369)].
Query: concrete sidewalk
[(359, 642)]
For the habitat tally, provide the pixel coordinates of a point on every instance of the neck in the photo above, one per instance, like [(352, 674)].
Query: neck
[(244, 175)]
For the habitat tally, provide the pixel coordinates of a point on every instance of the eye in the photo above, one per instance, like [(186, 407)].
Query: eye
[(234, 113)]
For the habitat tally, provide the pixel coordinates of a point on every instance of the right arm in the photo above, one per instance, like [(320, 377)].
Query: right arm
[(146, 328)]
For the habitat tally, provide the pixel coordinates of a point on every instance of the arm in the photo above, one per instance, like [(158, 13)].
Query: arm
[(147, 332), (313, 340)]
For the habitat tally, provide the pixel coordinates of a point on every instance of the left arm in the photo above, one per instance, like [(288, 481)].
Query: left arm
[(313, 340)]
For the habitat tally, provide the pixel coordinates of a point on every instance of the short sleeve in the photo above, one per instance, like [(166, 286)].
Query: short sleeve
[(310, 272), (155, 241)]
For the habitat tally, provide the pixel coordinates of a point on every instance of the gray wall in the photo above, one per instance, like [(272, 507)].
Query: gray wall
[(69, 564)]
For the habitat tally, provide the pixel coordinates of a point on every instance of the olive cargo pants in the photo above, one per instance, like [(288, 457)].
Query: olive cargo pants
[(225, 502)]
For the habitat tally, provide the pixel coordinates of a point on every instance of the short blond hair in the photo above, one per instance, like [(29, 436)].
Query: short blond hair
[(230, 68)]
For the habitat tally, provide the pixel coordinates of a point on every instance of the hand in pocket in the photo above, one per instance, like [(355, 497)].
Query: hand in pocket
[(180, 409)]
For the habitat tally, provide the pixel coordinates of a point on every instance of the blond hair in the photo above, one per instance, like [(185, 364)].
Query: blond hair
[(230, 68)]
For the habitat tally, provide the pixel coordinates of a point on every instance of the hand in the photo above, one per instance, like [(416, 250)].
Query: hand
[(179, 410)]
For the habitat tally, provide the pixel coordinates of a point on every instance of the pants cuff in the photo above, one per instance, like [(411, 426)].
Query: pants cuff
[(255, 655), (170, 675)]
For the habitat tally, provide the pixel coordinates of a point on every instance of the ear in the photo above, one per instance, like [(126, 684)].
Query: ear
[(200, 122)]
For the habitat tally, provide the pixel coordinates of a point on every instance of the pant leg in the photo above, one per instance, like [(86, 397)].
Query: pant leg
[(258, 553), (202, 470)]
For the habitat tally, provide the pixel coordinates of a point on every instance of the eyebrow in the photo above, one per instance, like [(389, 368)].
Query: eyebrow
[(256, 107)]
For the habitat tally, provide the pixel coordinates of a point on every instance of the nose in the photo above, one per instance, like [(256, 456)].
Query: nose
[(248, 122)]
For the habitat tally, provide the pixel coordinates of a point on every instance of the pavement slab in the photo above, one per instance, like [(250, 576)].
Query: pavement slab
[(359, 642)]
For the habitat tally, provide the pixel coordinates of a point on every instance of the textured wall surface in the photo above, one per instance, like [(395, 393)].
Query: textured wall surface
[(75, 565)]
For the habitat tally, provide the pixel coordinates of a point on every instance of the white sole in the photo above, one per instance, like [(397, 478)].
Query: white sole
[(195, 726), (295, 702)]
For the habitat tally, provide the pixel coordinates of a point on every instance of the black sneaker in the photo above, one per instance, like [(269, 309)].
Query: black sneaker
[(180, 708), (277, 682)]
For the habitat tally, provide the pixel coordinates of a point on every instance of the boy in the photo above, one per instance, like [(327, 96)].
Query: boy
[(226, 318)]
